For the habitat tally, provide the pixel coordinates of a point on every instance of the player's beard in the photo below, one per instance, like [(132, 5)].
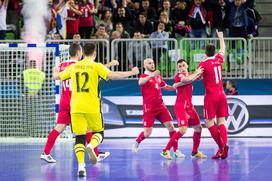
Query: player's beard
[(151, 69)]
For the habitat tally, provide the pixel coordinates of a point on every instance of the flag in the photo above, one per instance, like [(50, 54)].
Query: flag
[(61, 20)]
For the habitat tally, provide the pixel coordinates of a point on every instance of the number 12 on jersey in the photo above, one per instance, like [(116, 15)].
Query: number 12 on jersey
[(84, 76), (217, 73)]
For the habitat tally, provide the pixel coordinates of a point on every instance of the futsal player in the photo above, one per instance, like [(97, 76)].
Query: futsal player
[(64, 117), (153, 106), (184, 110), (85, 101), (215, 102)]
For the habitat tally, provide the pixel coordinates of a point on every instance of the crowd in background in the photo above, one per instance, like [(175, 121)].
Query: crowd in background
[(111, 19)]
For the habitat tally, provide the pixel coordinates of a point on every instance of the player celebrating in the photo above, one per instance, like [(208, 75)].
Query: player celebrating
[(153, 105), (85, 76), (215, 102), (64, 118), (184, 109)]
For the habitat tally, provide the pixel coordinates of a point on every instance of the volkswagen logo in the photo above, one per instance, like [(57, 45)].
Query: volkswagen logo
[(238, 116)]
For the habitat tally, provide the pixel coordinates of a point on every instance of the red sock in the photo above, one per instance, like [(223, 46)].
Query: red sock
[(140, 138), (173, 141), (175, 144), (196, 138), (51, 138), (216, 136), (88, 139), (223, 134)]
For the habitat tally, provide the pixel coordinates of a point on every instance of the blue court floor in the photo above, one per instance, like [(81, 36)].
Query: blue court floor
[(250, 159)]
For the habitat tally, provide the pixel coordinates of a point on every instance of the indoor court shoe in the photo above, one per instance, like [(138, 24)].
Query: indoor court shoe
[(217, 155), (166, 154), (48, 158), (198, 154), (81, 170), (135, 147), (225, 152), (177, 154), (102, 155), (91, 153)]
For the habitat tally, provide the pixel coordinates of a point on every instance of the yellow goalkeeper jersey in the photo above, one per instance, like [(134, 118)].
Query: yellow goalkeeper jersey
[(85, 76)]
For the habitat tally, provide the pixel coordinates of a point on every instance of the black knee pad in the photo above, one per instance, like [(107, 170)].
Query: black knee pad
[(80, 139), (102, 134)]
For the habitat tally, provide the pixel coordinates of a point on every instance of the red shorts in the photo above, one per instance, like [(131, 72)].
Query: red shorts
[(64, 117), (186, 117), (151, 113), (215, 106)]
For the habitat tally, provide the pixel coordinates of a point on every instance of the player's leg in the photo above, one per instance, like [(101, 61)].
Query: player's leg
[(96, 125), (173, 141), (148, 123), (222, 112), (224, 136), (144, 134), (51, 138), (89, 136), (79, 128), (210, 108), (194, 121), (196, 141)]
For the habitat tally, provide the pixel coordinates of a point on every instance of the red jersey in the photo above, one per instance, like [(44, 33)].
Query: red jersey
[(151, 90), (212, 75), (184, 93), (66, 91), (72, 22), (86, 20)]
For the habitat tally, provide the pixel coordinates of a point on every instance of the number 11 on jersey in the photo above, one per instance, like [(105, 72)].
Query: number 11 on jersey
[(217, 73)]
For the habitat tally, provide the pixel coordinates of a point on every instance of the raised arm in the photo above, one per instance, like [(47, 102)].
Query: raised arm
[(121, 75), (189, 79), (221, 41), (111, 63), (144, 80)]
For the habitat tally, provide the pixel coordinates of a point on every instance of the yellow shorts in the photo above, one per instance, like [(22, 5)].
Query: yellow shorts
[(81, 122)]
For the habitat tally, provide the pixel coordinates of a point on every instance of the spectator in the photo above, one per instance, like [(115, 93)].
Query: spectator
[(57, 36), (219, 19), (138, 51), (231, 88), (148, 10), (166, 7), (101, 32), (159, 47), (3, 15), (13, 15), (181, 30), (119, 51), (76, 38), (237, 18), (197, 20), (180, 12), (72, 19), (86, 21), (164, 18), (254, 18), (106, 19), (123, 15), (143, 25), (119, 27)]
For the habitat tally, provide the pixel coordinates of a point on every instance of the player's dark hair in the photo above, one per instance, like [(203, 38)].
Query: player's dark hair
[(180, 61), (210, 50), (232, 83), (88, 49), (73, 49)]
